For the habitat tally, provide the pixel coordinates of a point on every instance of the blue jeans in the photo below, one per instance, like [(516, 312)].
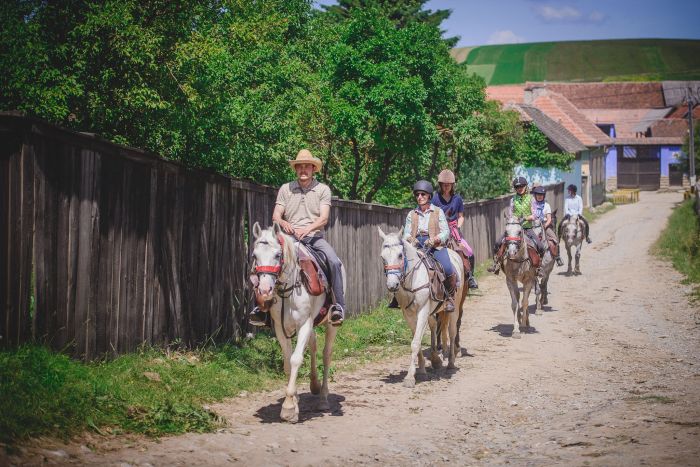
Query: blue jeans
[(441, 255)]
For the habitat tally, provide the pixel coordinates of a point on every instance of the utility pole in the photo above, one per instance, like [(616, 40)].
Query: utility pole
[(691, 141)]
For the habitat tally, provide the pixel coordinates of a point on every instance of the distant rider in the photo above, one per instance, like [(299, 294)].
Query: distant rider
[(573, 205)]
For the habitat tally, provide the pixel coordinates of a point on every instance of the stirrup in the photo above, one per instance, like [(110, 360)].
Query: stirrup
[(471, 280), (257, 317), (337, 315)]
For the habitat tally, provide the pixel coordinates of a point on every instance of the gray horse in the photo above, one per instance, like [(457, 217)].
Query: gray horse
[(518, 268), (572, 233), (546, 267)]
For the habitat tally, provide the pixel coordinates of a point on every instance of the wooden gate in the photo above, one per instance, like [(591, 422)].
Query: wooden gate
[(638, 167)]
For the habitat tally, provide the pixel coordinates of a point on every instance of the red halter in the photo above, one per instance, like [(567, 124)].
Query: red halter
[(273, 269)]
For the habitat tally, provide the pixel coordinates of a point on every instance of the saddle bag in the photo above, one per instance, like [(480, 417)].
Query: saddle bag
[(310, 277)]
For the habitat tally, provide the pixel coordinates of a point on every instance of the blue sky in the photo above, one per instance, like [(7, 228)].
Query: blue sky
[(508, 21)]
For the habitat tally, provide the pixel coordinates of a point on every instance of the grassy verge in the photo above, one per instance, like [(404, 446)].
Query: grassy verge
[(158, 392), (680, 243), (591, 214)]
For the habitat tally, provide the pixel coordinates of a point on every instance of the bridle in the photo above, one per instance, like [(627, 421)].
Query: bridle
[(273, 270), (397, 269)]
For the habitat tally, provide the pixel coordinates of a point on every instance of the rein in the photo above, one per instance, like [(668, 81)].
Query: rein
[(401, 271)]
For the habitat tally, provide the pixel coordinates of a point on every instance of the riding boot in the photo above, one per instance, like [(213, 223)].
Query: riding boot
[(496, 266), (258, 317), (394, 303), (450, 288), (471, 280)]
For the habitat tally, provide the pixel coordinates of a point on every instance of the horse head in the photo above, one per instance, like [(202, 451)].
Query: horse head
[(269, 251), (571, 229), (394, 258), (514, 237)]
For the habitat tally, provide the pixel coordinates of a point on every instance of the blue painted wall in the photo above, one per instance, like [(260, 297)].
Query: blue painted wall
[(668, 157)]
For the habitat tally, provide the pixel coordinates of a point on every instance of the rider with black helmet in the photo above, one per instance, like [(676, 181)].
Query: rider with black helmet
[(573, 204), (426, 226)]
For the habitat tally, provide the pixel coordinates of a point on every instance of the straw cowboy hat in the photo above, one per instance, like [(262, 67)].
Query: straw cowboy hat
[(304, 157)]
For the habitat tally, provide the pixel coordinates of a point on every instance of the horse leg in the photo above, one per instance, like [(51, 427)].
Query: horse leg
[(327, 353), (436, 325), (525, 317), (285, 344), (544, 292), (458, 345), (453, 329), (514, 304), (421, 323), (290, 406), (568, 253), (315, 385), (577, 270)]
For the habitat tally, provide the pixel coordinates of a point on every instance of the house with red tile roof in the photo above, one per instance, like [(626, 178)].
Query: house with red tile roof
[(568, 130), (645, 123)]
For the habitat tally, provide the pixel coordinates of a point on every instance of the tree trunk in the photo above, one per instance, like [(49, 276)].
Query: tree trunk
[(387, 162)]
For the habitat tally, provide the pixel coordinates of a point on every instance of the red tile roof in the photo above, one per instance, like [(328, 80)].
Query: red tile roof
[(559, 109), (509, 94), (624, 119), (609, 95), (648, 141), (670, 127)]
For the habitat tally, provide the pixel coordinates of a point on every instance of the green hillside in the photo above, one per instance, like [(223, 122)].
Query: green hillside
[(607, 60)]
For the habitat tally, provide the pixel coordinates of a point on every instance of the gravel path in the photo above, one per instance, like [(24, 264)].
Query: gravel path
[(610, 375)]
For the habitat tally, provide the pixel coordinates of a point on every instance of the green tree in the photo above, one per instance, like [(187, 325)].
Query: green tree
[(535, 151), (401, 12)]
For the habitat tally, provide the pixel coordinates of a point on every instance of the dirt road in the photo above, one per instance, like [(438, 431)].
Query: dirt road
[(610, 375)]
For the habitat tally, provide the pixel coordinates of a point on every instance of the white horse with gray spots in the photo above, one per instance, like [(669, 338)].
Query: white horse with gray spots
[(293, 311), (572, 234), (407, 276)]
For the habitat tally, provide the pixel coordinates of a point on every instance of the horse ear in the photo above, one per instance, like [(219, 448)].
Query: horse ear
[(256, 230), (381, 233), (276, 228)]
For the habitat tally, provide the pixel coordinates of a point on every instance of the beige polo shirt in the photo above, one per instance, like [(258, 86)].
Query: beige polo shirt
[(303, 207)]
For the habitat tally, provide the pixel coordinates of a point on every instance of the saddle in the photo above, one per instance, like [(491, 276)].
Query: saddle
[(436, 276)]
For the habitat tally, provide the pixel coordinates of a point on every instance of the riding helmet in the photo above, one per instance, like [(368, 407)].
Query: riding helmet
[(423, 185), (519, 181), (539, 190), (446, 176), (572, 187)]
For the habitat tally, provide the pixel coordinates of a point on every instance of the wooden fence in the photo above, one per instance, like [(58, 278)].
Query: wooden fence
[(105, 248)]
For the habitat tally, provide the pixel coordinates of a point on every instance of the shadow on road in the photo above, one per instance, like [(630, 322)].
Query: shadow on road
[(307, 408), (506, 330)]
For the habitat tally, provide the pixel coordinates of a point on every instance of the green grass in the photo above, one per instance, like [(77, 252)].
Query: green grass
[(158, 392), (592, 214), (680, 243), (604, 60)]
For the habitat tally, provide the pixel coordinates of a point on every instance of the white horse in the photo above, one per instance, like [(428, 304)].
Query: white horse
[(572, 232), (518, 267), (293, 311), (407, 277), (546, 267)]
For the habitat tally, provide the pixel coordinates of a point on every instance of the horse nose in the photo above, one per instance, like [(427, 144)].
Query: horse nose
[(393, 288)]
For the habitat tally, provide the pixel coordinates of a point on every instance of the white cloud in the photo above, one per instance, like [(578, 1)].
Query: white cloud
[(565, 13), (505, 37)]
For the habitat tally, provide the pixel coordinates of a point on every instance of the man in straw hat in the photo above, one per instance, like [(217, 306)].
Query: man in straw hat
[(302, 210)]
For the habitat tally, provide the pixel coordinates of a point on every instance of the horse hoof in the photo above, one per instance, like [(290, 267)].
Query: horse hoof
[(290, 415), (323, 406), (451, 366), (422, 376), (315, 388), (436, 363), (516, 335), (409, 383), (421, 372), (538, 312), (463, 352)]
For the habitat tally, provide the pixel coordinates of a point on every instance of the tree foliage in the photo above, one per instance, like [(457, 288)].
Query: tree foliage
[(240, 87)]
